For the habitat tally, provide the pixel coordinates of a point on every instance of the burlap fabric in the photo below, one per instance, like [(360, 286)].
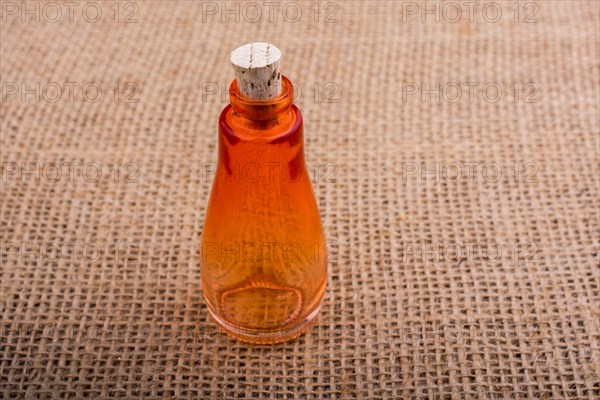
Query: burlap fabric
[(474, 275)]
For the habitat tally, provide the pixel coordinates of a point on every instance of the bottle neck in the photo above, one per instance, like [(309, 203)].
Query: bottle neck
[(261, 117)]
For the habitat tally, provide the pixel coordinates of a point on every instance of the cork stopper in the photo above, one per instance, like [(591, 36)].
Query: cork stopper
[(256, 68)]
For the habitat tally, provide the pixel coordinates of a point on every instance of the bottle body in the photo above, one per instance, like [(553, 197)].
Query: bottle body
[(263, 254)]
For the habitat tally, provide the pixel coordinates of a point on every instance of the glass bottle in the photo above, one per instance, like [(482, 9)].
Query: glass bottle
[(263, 253)]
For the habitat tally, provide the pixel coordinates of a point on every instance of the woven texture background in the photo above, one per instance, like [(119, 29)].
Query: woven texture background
[(100, 283)]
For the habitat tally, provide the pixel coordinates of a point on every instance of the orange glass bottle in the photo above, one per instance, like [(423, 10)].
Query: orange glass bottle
[(263, 254)]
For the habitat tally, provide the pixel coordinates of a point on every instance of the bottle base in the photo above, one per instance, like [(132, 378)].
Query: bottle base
[(270, 336)]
